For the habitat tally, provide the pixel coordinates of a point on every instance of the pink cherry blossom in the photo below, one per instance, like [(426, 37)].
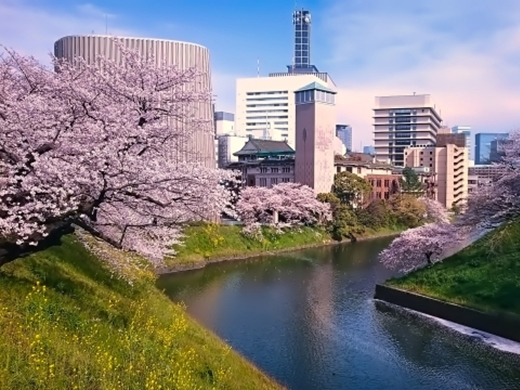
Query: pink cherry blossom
[(419, 246), (293, 203), (105, 146)]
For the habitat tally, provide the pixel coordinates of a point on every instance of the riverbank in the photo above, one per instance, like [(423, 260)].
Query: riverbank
[(67, 322), (207, 244), (485, 276)]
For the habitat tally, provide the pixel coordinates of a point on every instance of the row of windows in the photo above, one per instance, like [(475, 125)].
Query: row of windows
[(278, 123), (300, 40), (266, 99), (276, 170), (378, 183), (314, 95), (268, 105), (267, 110), (267, 117), (405, 119), (267, 93), (302, 34), (301, 53)]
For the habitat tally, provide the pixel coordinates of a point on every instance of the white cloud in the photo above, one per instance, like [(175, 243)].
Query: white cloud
[(473, 76)]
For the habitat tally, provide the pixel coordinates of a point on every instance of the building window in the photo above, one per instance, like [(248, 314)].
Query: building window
[(274, 170), (387, 195), (274, 181), (263, 170), (286, 169), (286, 180), (378, 195), (359, 170), (262, 182), (378, 184), (338, 169), (387, 183)]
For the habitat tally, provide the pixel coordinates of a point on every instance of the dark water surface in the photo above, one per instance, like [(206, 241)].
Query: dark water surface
[(308, 319)]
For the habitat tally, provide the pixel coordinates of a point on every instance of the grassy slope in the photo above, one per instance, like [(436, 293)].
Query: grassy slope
[(66, 323), (220, 241), (484, 276), (226, 241)]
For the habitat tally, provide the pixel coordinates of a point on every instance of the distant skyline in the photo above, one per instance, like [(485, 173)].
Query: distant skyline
[(465, 54)]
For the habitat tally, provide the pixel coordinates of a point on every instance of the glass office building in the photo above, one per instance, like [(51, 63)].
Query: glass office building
[(487, 147), (344, 133)]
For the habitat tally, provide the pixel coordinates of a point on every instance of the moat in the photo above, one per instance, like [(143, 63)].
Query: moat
[(307, 319)]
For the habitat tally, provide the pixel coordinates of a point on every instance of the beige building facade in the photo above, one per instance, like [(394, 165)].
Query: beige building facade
[(315, 133), (449, 165), (201, 144), (401, 122), (265, 106)]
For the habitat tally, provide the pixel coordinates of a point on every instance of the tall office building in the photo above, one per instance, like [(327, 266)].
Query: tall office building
[(265, 106), (466, 130), (201, 143), (302, 43), (315, 119), (403, 121), (224, 123), (448, 161), (344, 133), (487, 147)]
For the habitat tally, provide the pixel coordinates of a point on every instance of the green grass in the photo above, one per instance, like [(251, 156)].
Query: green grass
[(483, 276), (211, 241), (67, 323)]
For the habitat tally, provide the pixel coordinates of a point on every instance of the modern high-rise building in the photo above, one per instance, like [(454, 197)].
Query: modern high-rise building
[(224, 123), (403, 121), (344, 133), (449, 165), (265, 106), (201, 144), (484, 147), (315, 120), (466, 130), (302, 43)]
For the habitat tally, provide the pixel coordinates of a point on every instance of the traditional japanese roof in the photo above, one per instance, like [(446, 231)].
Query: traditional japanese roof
[(264, 147), (315, 86)]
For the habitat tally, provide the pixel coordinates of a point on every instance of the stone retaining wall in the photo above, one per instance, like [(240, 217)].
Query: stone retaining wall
[(491, 323)]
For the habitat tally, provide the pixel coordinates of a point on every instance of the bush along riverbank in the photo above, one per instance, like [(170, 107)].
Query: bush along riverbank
[(68, 322), (484, 276)]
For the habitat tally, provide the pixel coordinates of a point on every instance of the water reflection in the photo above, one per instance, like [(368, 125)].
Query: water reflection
[(308, 319)]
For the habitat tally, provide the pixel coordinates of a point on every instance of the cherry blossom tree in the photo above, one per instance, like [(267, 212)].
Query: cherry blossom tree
[(292, 203), (419, 246), (105, 146), (435, 212)]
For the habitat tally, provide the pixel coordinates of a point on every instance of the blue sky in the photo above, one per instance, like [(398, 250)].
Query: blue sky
[(465, 53)]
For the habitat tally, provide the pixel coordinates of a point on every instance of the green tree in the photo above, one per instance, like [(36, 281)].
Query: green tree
[(376, 215), (344, 219), (410, 182), (351, 189), (406, 210)]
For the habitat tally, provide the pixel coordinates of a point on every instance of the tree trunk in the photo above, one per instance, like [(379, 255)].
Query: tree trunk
[(97, 233)]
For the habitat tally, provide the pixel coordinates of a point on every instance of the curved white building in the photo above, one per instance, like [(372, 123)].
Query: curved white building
[(182, 54)]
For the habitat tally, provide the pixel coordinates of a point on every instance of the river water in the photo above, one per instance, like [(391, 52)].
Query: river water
[(307, 319)]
